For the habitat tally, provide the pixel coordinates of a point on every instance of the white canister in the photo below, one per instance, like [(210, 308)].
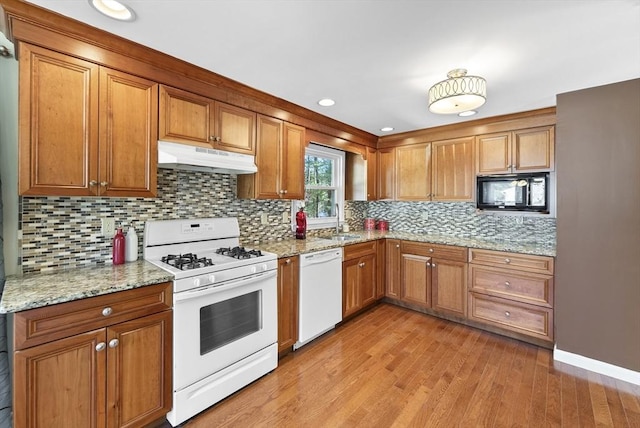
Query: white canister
[(131, 246)]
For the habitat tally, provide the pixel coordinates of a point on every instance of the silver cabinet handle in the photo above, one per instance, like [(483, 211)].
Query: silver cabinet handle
[(433, 265), (100, 346), (285, 190), (507, 314), (107, 311), (507, 283), (113, 343), (361, 264), (507, 261), (104, 183), (288, 261), (431, 250), (214, 138), (397, 245), (428, 264), (93, 183)]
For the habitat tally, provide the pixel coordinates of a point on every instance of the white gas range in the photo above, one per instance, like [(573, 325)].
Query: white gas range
[(225, 321)]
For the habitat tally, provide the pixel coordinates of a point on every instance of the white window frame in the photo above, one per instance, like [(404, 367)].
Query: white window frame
[(338, 157)]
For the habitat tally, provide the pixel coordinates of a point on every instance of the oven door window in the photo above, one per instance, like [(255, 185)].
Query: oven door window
[(229, 320)]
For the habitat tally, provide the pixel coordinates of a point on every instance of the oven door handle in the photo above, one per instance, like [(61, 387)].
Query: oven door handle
[(200, 292)]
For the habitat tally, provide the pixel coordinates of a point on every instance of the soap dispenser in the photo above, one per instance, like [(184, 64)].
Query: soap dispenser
[(131, 247)]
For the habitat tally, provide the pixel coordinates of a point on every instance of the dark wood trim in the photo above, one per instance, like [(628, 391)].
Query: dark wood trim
[(39, 26)]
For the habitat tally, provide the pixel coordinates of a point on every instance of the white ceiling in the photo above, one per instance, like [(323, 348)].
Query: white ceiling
[(378, 58)]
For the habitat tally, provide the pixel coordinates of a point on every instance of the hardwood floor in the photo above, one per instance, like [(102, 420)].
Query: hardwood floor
[(392, 367)]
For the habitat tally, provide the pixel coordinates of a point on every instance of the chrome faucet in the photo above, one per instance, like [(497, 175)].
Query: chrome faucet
[(337, 219)]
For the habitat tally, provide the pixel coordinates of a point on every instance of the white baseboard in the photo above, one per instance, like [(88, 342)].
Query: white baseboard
[(596, 366)]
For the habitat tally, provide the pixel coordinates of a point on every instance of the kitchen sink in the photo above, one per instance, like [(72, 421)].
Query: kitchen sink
[(341, 237)]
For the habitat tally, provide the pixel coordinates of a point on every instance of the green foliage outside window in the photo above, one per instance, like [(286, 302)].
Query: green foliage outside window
[(320, 192)]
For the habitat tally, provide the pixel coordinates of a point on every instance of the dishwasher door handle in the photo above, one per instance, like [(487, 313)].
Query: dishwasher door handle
[(317, 259)]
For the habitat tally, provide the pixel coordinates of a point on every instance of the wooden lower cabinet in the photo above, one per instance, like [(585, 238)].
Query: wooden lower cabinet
[(288, 288), (117, 375), (359, 274), (449, 286), (393, 258), (416, 280)]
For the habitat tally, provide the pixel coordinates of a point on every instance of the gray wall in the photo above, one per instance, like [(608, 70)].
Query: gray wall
[(597, 306)]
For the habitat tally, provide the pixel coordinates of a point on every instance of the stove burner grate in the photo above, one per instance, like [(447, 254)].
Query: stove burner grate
[(186, 261), (239, 252)]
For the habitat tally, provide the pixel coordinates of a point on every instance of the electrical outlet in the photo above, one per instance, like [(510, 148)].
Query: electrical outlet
[(347, 214), (264, 219), (519, 219), (108, 226), (285, 217)]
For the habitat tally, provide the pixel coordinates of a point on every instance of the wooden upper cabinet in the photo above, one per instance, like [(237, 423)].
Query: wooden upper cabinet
[(526, 150), (196, 120), (361, 175), (280, 153), (453, 170), (413, 172), (387, 173), (58, 120), (128, 135), (85, 130), (372, 174)]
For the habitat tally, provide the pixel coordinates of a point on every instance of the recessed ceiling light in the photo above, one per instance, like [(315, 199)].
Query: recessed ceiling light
[(113, 9), (386, 129), (467, 113), (326, 102)]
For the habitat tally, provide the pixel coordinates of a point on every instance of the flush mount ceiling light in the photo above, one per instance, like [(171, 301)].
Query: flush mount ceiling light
[(387, 129), (113, 9), (326, 102), (458, 93), (467, 113)]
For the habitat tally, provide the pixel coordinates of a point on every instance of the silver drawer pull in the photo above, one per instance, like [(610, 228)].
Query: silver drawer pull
[(507, 283), (507, 314), (100, 346), (507, 261), (113, 343), (431, 250), (107, 311)]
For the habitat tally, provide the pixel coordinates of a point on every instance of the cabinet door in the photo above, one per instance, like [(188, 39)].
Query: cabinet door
[(534, 149), (453, 171), (372, 174), (413, 172), (128, 135), (393, 268), (493, 153), (267, 179), (61, 383), (387, 173), (292, 162), (416, 280), (185, 117), (449, 286), (367, 279), (235, 129), (381, 253), (288, 283), (139, 370), (350, 287), (58, 117)]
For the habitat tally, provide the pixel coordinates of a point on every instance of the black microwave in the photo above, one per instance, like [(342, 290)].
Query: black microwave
[(514, 192)]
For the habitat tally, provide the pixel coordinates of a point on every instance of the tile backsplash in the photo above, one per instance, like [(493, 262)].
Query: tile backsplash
[(64, 232)]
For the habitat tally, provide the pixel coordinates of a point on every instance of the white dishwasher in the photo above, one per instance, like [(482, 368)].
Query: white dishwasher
[(320, 294)]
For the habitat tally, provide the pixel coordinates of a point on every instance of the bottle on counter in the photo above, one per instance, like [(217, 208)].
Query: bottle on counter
[(118, 247), (301, 224), (131, 246)]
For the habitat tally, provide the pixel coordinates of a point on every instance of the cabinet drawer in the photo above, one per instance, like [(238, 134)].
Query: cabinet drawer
[(438, 251), (531, 320), (355, 251), (41, 325), (526, 262), (514, 285)]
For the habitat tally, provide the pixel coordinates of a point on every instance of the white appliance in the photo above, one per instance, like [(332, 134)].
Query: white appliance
[(320, 295), (225, 319)]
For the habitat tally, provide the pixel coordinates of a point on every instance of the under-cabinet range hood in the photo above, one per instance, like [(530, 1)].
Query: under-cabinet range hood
[(192, 158)]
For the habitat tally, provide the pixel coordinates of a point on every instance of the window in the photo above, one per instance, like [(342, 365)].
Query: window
[(324, 186)]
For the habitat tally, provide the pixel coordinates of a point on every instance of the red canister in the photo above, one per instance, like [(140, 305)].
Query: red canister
[(369, 224), (382, 225)]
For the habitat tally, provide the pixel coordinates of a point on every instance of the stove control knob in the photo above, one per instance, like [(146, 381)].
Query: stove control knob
[(254, 269), (196, 282), (264, 266), (212, 278)]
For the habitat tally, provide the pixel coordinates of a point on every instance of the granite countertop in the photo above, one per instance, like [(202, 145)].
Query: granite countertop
[(44, 289), (293, 247)]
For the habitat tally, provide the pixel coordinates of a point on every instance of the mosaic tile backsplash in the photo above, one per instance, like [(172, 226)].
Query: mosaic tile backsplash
[(63, 232)]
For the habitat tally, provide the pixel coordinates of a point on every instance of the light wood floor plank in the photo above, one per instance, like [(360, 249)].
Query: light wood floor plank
[(392, 367)]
